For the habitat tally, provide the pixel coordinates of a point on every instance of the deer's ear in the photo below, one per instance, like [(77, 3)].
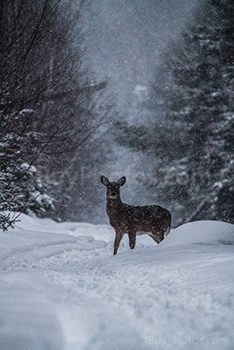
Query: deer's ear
[(104, 180), (122, 180)]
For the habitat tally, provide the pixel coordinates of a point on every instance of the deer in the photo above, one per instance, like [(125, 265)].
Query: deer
[(134, 220)]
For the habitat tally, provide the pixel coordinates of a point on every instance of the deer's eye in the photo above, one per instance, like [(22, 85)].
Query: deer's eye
[(109, 187)]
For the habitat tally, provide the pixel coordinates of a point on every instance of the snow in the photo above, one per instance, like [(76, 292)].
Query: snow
[(25, 166), (61, 288)]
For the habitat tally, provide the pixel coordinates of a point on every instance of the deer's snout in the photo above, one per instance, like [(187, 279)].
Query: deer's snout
[(112, 195)]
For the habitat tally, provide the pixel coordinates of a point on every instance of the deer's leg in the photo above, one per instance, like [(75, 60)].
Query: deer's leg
[(132, 240), (157, 236), (118, 237)]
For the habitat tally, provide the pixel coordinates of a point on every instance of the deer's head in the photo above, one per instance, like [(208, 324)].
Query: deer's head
[(113, 188)]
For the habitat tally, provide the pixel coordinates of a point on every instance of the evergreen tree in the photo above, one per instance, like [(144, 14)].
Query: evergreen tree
[(47, 101), (193, 140)]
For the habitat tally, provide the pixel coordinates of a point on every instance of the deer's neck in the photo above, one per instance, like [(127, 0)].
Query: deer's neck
[(113, 209), (113, 204)]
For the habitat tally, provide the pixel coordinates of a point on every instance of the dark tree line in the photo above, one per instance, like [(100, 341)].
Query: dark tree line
[(192, 136), (48, 107)]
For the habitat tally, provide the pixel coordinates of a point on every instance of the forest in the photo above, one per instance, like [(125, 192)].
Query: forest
[(138, 96), (60, 127)]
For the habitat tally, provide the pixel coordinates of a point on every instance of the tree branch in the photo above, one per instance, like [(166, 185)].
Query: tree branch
[(55, 96)]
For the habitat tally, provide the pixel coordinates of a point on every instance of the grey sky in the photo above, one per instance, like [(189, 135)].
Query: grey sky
[(126, 36), (124, 41)]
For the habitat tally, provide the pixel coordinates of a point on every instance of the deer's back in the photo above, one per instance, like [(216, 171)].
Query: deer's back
[(138, 218)]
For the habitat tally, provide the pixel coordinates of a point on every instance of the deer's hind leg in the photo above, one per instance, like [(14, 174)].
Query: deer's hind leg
[(157, 234), (161, 228), (157, 237)]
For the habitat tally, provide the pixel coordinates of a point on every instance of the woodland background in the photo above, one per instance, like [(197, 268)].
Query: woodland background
[(60, 127)]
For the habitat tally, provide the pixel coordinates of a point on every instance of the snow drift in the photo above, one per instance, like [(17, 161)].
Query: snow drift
[(61, 288)]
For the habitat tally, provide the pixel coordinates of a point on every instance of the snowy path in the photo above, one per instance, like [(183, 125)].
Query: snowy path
[(61, 288)]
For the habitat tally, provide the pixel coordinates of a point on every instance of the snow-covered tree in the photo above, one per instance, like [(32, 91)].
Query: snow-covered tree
[(21, 187), (47, 100), (193, 139)]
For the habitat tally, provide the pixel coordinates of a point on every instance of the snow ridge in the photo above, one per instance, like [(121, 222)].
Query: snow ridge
[(61, 288)]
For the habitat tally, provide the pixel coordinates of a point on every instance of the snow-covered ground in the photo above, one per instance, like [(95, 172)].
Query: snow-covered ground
[(61, 288)]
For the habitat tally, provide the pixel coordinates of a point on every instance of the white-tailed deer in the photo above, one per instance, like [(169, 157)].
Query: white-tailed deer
[(150, 219)]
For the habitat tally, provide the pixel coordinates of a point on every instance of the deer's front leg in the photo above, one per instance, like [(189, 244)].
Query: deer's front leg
[(118, 237), (132, 240)]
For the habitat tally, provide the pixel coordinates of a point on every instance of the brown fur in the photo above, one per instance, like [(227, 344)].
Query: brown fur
[(151, 219)]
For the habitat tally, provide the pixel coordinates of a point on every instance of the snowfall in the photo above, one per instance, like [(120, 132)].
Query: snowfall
[(62, 289)]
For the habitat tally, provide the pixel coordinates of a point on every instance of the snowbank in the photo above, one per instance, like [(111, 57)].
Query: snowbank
[(201, 232), (61, 288)]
